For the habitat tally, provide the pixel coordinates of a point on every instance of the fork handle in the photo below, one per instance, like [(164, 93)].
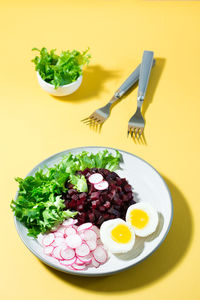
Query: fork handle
[(129, 82), (145, 70)]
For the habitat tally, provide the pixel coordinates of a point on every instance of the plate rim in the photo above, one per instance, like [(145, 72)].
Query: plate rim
[(85, 274)]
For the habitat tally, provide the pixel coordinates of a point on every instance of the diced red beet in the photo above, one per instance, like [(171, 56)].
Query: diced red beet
[(102, 208), (82, 196), (71, 192), (107, 205), (98, 206), (95, 196), (127, 188), (75, 197), (91, 217)]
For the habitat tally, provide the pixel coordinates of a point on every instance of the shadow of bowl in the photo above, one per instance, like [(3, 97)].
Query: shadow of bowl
[(94, 78), (159, 264)]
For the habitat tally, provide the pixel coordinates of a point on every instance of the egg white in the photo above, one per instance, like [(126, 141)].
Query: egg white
[(109, 243), (152, 222)]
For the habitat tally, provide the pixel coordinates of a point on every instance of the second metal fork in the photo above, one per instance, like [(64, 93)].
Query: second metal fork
[(100, 115), (136, 122)]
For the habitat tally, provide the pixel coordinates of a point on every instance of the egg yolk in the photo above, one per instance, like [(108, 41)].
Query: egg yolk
[(139, 218), (121, 234)]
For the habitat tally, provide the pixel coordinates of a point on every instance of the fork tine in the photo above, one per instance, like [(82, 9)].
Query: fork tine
[(140, 132), (136, 132), (85, 119)]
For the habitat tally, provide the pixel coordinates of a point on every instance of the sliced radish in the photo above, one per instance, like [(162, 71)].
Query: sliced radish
[(90, 235), (103, 185), (61, 229), (48, 250), (100, 254), (84, 226), (70, 268), (83, 250), (82, 235), (40, 238), (70, 230), (92, 245), (78, 267), (56, 252), (95, 263), (59, 241), (96, 230), (48, 239), (79, 262), (73, 241), (68, 262), (69, 222), (95, 178), (58, 234), (86, 259), (67, 253)]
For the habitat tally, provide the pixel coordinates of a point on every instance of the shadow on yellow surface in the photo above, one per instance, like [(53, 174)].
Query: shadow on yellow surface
[(94, 78), (163, 261)]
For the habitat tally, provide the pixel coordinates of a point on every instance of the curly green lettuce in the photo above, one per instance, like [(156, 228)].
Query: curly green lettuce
[(60, 69), (39, 205)]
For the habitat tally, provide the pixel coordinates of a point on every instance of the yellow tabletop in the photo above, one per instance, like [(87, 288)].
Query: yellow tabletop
[(35, 125)]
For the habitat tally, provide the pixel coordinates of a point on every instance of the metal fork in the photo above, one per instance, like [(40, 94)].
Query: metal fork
[(99, 116), (136, 123)]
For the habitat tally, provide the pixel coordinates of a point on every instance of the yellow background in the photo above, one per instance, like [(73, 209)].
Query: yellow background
[(35, 125)]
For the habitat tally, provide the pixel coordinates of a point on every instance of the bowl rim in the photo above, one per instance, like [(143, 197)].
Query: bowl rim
[(61, 86)]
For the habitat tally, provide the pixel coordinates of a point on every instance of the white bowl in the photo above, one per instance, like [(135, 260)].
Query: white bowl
[(63, 90)]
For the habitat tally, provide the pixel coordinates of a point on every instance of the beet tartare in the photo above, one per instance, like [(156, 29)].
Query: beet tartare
[(97, 206)]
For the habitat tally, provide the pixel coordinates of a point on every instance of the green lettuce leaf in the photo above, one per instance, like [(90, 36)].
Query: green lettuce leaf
[(39, 205), (79, 182), (60, 69)]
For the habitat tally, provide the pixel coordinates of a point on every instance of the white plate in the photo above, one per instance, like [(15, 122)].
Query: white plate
[(148, 186)]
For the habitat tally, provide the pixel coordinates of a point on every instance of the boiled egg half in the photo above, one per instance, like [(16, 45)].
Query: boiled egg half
[(117, 236), (143, 218)]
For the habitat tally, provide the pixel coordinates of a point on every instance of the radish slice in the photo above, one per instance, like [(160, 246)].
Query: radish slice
[(56, 252), (70, 231), (82, 250), (92, 245), (58, 234), (100, 254), (67, 253), (96, 230), (90, 235), (79, 262), (95, 263), (69, 222), (86, 259), (48, 239), (61, 229), (82, 235), (40, 238), (73, 241), (103, 185), (70, 268), (48, 250), (68, 262), (95, 178), (78, 267), (84, 226), (59, 241)]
